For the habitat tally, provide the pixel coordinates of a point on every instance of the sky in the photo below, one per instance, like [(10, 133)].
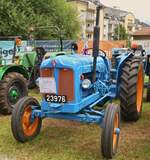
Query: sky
[(140, 8)]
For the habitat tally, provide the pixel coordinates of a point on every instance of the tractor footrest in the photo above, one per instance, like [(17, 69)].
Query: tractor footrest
[(113, 70), (55, 105)]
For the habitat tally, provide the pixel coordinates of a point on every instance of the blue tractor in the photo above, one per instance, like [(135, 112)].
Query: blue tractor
[(81, 88)]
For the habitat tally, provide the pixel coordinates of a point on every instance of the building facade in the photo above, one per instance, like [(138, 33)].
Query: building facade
[(110, 19), (113, 18), (87, 13), (142, 37)]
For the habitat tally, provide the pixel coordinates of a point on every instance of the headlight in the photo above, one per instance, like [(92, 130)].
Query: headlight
[(86, 83)]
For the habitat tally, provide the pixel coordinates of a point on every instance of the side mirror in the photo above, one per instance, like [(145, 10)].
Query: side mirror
[(143, 52)]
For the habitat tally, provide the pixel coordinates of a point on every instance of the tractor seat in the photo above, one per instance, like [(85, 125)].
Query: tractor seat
[(116, 54)]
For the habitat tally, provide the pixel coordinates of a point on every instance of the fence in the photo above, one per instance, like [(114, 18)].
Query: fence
[(7, 47), (104, 45)]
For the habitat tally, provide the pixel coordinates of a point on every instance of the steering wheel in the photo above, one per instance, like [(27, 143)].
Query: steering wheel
[(104, 54), (40, 53), (101, 52)]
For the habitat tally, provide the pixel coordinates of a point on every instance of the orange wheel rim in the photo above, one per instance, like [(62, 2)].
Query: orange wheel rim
[(115, 135), (29, 128), (139, 89)]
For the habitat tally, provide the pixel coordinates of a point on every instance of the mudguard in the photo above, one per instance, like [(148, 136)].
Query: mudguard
[(119, 70), (13, 68)]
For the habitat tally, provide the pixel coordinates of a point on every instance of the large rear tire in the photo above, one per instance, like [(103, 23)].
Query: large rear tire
[(12, 88), (131, 89), (34, 76), (23, 127), (148, 95)]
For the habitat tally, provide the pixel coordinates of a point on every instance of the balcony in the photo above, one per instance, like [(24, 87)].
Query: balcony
[(130, 32), (110, 32), (91, 7), (112, 22), (130, 24), (90, 18), (89, 29)]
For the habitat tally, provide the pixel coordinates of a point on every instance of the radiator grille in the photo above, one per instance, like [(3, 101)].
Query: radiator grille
[(47, 72), (66, 83)]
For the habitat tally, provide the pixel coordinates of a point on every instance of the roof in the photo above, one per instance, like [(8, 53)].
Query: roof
[(145, 31), (89, 1), (113, 12), (108, 11)]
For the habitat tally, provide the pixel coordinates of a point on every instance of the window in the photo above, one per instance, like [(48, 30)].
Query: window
[(130, 21), (89, 36), (130, 29)]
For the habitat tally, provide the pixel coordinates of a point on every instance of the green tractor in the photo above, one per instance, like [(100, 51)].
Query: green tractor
[(17, 76)]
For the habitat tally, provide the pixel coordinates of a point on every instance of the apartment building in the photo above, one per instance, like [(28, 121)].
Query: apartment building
[(87, 13), (110, 18), (139, 25), (113, 18)]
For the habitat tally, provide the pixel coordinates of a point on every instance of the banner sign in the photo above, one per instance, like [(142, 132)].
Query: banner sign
[(7, 47), (51, 45)]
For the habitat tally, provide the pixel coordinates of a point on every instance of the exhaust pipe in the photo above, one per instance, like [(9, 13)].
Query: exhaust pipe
[(96, 39)]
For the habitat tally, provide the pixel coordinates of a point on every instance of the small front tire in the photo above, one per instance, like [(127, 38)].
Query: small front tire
[(111, 131), (23, 127)]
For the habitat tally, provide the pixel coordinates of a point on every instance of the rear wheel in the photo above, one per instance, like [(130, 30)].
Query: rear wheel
[(111, 131), (34, 76), (148, 95), (131, 89), (148, 92), (24, 126), (12, 88)]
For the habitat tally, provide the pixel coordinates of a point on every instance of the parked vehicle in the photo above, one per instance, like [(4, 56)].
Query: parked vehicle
[(72, 85), (17, 75)]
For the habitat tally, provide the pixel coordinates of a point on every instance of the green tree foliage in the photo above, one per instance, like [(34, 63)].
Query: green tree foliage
[(16, 17), (120, 33)]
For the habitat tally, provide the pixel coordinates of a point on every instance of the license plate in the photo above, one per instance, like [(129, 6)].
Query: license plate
[(56, 98), (47, 85)]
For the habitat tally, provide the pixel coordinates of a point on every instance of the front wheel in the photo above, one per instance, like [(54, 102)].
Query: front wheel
[(111, 131), (24, 127)]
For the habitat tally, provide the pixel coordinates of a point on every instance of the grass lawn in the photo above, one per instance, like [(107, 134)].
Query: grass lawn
[(64, 140)]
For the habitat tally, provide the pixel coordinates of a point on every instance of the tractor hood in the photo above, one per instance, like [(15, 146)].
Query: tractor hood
[(73, 62)]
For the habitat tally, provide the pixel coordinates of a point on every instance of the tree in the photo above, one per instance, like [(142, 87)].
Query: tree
[(16, 17), (120, 33), (60, 14)]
